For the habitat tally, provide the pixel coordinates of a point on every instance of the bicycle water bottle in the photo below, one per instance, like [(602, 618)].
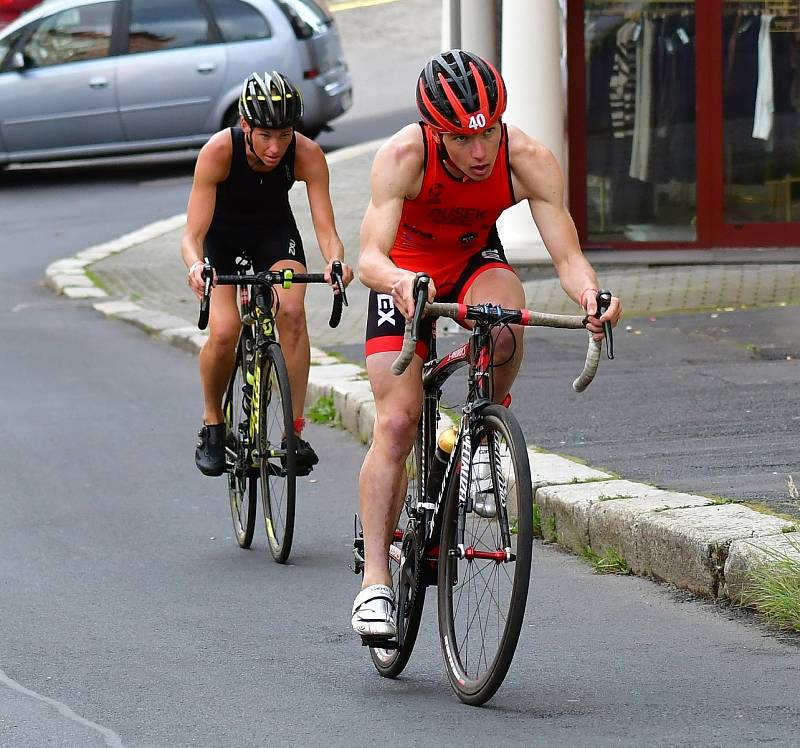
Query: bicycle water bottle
[(444, 446)]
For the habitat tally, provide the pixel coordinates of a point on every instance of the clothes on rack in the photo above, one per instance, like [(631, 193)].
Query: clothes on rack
[(641, 92), (761, 116)]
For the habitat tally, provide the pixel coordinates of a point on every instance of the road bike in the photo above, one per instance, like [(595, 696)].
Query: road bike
[(260, 445), (468, 506)]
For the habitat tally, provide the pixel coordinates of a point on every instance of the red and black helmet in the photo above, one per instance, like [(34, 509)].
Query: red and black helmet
[(460, 93)]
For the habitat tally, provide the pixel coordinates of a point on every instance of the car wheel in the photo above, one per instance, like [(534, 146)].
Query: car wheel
[(231, 118), (310, 132)]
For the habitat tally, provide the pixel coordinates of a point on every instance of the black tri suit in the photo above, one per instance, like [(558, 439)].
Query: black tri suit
[(252, 216)]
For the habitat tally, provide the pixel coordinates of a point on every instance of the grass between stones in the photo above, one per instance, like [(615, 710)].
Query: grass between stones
[(323, 410), (774, 588), (611, 562)]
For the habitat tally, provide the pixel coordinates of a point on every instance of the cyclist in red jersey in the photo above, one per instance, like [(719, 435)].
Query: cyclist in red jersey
[(438, 188)]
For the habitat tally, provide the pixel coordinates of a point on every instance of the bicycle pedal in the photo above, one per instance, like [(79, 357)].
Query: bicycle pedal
[(378, 643)]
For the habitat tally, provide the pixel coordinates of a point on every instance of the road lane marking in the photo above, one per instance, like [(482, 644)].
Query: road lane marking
[(358, 4), (112, 739)]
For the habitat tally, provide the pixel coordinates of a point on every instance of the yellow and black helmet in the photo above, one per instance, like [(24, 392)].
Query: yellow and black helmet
[(271, 102)]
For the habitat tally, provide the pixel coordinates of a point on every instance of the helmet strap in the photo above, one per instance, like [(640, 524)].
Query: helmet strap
[(448, 162), (248, 138)]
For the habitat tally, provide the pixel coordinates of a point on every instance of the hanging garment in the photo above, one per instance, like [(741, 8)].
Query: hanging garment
[(601, 43), (744, 155), (643, 117), (622, 86), (765, 105)]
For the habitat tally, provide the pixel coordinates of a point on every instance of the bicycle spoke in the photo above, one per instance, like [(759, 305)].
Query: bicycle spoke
[(242, 501), (276, 449)]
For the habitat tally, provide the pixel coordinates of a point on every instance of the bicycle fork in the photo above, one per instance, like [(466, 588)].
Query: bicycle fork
[(460, 550)]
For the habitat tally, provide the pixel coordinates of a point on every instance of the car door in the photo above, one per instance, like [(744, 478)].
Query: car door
[(64, 96), (172, 73)]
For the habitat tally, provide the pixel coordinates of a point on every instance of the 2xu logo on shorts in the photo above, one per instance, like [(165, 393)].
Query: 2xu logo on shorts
[(291, 247), (385, 309)]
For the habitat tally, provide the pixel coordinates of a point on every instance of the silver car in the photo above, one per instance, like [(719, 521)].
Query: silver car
[(83, 78)]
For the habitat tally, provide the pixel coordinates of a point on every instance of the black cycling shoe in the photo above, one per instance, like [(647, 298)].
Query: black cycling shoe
[(210, 453), (305, 458)]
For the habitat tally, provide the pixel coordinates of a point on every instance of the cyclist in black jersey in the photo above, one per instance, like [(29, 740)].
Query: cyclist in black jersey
[(239, 206)]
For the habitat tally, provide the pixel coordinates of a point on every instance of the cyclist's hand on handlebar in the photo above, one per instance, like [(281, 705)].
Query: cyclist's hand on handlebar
[(403, 293), (595, 322), (196, 280), (347, 274)]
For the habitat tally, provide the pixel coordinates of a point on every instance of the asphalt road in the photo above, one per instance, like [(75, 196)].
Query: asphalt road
[(126, 601)]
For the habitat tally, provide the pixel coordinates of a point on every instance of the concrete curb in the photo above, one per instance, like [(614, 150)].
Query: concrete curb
[(686, 540)]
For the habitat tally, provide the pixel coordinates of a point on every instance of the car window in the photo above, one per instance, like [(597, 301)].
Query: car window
[(82, 33), (306, 17), (239, 21), (156, 24), (7, 44)]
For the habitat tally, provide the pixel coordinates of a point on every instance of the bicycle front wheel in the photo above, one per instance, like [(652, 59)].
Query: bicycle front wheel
[(483, 575), (241, 487), (277, 449)]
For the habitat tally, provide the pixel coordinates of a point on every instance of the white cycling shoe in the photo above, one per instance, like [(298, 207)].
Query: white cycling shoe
[(373, 612)]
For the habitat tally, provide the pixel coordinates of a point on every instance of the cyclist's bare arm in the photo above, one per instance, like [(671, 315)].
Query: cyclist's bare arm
[(212, 167), (537, 177), (311, 167), (397, 173)]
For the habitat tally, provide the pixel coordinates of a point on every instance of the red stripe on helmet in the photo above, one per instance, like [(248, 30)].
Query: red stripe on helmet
[(431, 114), (501, 93), (483, 97)]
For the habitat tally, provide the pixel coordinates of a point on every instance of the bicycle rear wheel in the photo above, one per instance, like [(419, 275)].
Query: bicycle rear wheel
[(241, 487), (482, 591), (405, 559), (277, 449)]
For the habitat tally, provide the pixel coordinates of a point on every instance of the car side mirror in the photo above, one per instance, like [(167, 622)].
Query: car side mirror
[(17, 61)]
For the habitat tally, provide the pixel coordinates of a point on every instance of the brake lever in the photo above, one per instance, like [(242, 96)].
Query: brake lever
[(208, 277), (338, 298), (421, 289), (336, 272), (603, 303)]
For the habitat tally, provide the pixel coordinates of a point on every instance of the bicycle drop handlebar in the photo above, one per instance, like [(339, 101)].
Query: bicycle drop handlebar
[(491, 314), (284, 278)]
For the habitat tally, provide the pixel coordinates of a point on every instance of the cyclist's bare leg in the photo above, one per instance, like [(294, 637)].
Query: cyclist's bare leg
[(500, 286), (398, 402), (293, 336), (219, 352)]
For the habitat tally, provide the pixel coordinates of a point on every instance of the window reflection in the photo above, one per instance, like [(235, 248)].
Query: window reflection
[(761, 95), (156, 25), (640, 110), (74, 35)]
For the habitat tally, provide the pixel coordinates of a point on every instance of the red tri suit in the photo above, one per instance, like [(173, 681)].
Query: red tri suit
[(451, 219), (448, 231)]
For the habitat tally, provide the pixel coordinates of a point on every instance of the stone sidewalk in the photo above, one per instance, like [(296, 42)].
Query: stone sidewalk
[(687, 540)]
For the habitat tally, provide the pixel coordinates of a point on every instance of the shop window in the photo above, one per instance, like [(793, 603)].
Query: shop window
[(761, 105), (640, 121)]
